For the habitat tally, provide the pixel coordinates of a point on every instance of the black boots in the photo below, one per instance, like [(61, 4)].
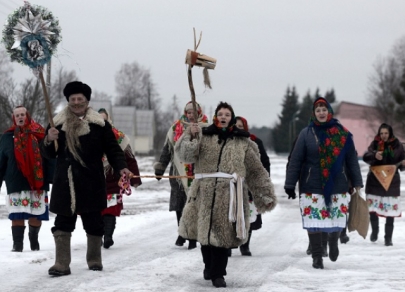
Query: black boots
[(62, 254), (343, 236), (219, 283), (244, 248), (18, 238), (374, 227), (388, 235), (180, 241), (333, 245), (324, 245), (192, 244), (109, 227), (316, 247), (33, 236)]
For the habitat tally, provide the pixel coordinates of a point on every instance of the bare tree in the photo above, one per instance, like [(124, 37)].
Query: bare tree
[(7, 88), (99, 95), (29, 93), (135, 87)]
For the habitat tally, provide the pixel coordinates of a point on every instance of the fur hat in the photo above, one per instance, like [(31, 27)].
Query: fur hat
[(77, 87)]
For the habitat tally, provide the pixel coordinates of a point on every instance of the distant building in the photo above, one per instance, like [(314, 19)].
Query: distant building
[(361, 120), (138, 125)]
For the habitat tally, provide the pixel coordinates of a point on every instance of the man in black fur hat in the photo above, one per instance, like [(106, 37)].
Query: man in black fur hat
[(83, 137)]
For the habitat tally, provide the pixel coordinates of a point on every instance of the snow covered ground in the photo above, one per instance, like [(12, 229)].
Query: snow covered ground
[(144, 257)]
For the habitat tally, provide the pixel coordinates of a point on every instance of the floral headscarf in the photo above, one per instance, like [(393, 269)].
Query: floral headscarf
[(180, 125), (246, 127), (26, 150), (178, 128), (385, 147), (333, 139)]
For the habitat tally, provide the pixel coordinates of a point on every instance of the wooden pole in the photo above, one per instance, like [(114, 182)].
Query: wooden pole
[(47, 104), (190, 84)]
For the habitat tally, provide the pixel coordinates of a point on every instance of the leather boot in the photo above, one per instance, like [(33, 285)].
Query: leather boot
[(192, 244), (325, 244), (374, 227), (93, 255), (333, 240), (316, 247), (388, 235), (180, 241), (244, 248), (343, 236), (109, 227), (33, 236), (18, 238), (62, 254)]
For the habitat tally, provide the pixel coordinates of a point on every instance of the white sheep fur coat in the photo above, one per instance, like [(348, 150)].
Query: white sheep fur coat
[(205, 215)]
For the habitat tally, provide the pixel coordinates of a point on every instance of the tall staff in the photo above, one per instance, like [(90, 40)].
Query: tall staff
[(196, 59), (31, 35)]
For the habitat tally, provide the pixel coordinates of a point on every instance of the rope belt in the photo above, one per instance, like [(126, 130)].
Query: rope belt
[(235, 199)]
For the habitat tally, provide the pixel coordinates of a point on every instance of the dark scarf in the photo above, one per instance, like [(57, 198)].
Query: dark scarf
[(334, 141), (246, 127), (224, 133)]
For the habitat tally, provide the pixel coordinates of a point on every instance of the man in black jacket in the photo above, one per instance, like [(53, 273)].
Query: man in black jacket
[(83, 137)]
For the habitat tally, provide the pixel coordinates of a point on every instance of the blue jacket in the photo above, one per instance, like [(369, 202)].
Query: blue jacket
[(304, 166)]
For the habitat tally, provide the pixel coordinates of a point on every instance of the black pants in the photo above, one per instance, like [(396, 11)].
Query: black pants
[(215, 260), (178, 215), (92, 223)]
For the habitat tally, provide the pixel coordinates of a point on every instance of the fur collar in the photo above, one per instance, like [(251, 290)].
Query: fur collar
[(91, 117), (213, 130)]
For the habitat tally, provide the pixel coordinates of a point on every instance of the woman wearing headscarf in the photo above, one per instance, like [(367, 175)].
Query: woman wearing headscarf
[(255, 218), (217, 210), (323, 160), (179, 186), (114, 191), (385, 149), (27, 176)]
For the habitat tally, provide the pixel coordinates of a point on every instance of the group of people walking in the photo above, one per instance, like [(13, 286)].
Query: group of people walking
[(324, 163), (219, 177)]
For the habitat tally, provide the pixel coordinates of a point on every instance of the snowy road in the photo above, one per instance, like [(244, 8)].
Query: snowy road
[(144, 257)]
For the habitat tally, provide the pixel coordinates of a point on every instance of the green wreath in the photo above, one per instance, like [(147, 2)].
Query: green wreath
[(49, 35)]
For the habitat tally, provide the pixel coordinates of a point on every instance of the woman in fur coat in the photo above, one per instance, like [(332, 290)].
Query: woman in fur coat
[(386, 149), (114, 197), (216, 214), (179, 187)]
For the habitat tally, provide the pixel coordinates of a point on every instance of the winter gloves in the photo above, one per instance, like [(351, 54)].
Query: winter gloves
[(291, 193), (159, 172)]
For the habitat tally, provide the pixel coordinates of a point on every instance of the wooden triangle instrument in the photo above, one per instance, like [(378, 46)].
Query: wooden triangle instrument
[(384, 174)]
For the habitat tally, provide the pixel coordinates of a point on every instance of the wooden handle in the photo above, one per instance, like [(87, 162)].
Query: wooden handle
[(47, 104)]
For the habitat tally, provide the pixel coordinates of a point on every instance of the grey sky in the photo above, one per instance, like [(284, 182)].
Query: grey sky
[(261, 46)]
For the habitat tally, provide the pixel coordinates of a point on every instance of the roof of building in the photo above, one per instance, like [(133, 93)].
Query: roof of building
[(350, 110)]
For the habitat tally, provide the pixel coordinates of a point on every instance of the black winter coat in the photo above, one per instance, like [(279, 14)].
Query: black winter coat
[(79, 189), (373, 187), (304, 167)]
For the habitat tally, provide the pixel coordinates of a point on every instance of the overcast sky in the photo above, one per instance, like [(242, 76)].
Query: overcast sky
[(261, 46)]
